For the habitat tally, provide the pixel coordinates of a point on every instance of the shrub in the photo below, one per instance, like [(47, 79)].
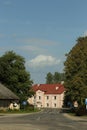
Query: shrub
[(81, 111), (27, 107)]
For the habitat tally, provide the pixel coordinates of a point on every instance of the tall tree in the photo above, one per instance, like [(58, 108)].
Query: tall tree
[(49, 78), (76, 72), (14, 75), (58, 77), (54, 78)]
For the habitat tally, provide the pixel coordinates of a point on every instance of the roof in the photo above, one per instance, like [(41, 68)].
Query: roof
[(49, 88), (5, 93)]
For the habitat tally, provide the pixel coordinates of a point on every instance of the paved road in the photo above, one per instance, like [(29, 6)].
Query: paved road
[(49, 119)]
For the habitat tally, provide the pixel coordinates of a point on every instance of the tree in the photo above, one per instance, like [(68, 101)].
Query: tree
[(49, 78), (54, 78), (58, 77), (14, 75), (76, 72)]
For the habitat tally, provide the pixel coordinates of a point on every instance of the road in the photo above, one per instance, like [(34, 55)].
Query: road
[(49, 119)]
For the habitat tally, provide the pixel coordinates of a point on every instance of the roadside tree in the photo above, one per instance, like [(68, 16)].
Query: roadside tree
[(76, 72), (14, 75)]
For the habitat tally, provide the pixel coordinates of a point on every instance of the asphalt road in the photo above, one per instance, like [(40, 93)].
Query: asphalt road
[(49, 119)]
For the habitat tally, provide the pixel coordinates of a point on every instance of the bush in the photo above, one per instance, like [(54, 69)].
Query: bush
[(81, 111), (27, 107)]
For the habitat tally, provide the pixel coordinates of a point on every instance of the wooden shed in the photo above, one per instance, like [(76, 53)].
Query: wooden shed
[(7, 97)]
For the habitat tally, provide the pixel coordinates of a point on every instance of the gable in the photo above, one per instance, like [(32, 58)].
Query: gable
[(39, 91)]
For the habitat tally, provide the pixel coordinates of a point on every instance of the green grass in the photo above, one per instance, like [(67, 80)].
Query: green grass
[(21, 111)]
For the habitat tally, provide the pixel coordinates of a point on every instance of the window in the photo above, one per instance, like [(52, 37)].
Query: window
[(55, 97), (47, 97), (47, 104), (54, 104), (39, 97)]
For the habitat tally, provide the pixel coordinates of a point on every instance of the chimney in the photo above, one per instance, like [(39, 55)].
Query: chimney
[(38, 85), (62, 82)]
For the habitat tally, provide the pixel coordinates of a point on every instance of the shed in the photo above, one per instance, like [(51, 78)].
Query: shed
[(7, 97)]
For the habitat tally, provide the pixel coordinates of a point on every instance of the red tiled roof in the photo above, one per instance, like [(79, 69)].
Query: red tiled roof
[(49, 88)]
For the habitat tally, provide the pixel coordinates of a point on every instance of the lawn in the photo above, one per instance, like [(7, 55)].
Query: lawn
[(21, 111)]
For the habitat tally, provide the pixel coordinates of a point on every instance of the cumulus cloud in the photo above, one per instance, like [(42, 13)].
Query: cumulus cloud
[(43, 60)]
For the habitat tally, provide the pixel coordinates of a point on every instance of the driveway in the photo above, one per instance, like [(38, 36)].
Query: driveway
[(49, 119)]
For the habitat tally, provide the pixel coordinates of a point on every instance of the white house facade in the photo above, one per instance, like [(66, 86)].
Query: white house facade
[(47, 96)]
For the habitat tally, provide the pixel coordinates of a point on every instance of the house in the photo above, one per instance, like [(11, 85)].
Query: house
[(47, 95), (7, 98)]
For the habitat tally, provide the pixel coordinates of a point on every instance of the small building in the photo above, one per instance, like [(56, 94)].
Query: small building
[(47, 95), (7, 97)]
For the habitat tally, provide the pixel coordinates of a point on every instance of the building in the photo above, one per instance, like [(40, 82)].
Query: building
[(7, 98), (47, 95)]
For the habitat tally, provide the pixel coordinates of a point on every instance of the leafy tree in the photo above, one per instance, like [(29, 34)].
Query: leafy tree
[(14, 75), (76, 72), (49, 78)]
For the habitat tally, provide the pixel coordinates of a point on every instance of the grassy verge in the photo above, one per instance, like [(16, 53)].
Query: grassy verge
[(21, 111)]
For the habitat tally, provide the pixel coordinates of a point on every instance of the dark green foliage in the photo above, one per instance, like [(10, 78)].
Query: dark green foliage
[(27, 106), (14, 75), (76, 72), (58, 77), (49, 78), (81, 111), (54, 78)]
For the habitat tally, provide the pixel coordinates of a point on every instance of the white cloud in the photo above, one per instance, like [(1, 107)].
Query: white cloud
[(42, 61)]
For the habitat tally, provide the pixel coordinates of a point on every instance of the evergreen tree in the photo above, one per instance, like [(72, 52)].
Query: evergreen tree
[(56, 77), (49, 78)]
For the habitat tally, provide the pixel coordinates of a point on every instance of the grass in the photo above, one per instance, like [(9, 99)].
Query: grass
[(21, 111)]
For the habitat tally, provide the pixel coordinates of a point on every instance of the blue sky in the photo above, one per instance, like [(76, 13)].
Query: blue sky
[(42, 31)]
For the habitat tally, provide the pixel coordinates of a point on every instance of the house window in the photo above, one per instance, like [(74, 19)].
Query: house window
[(54, 104), (47, 97), (39, 97), (47, 104), (55, 97)]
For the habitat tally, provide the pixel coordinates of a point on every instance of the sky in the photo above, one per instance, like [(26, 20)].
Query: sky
[(42, 31)]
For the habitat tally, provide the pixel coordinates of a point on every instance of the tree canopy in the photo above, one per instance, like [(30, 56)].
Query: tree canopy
[(54, 78), (14, 75), (49, 78), (76, 72)]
